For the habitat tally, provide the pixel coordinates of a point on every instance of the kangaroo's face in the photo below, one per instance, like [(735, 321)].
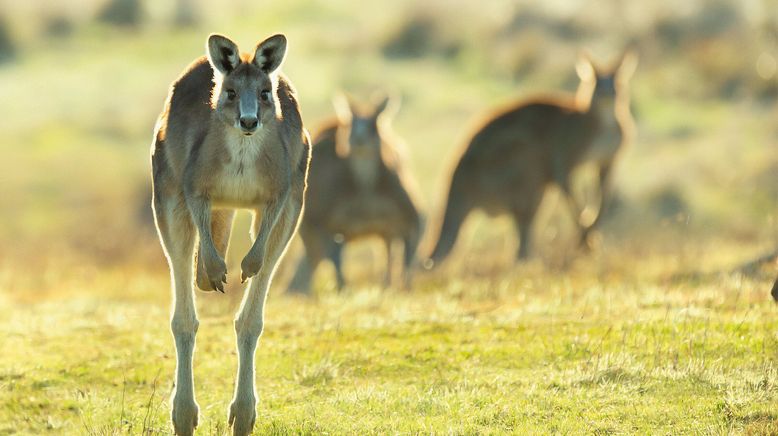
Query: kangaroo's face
[(362, 126), (244, 92), (363, 135)]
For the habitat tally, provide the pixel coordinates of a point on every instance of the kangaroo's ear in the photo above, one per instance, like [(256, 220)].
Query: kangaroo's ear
[(270, 53), (342, 107), (584, 67), (386, 106), (222, 53), (627, 65)]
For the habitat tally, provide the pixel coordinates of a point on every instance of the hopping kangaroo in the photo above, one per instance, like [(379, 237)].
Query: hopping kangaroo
[(510, 160), (359, 187), (230, 136)]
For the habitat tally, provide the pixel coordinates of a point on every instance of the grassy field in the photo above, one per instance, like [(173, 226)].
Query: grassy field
[(655, 331), (531, 351)]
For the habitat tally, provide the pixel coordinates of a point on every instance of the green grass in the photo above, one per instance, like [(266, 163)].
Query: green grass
[(532, 351)]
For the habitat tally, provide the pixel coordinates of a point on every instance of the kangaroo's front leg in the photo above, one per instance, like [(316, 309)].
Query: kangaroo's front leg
[(200, 207), (252, 263), (605, 191), (250, 319)]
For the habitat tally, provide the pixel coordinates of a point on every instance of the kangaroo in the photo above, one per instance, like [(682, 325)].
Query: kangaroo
[(508, 162), (230, 136), (359, 187), (774, 292)]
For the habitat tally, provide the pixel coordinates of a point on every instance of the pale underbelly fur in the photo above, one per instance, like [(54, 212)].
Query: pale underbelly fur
[(606, 144)]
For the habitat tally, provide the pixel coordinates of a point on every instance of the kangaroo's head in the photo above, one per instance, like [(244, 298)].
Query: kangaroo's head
[(244, 90), (604, 87), (360, 132)]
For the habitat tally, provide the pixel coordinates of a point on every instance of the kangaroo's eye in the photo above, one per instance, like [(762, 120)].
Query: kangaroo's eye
[(265, 95), (231, 94)]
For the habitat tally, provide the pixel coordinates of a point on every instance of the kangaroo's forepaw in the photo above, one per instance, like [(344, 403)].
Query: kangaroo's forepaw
[(242, 416), (216, 271), (590, 240), (201, 278), (250, 266)]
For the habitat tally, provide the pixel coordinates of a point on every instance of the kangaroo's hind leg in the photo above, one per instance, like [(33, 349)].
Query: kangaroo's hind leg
[(524, 212), (250, 320), (335, 253), (605, 196), (410, 246), (389, 260), (309, 261), (178, 234), (221, 227)]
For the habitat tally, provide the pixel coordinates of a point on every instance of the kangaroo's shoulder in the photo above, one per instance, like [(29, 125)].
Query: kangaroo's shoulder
[(189, 98), (527, 115), (325, 140), (326, 132), (193, 86)]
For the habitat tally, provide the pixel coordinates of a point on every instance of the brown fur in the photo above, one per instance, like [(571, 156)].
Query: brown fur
[(359, 188), (518, 151), (230, 136)]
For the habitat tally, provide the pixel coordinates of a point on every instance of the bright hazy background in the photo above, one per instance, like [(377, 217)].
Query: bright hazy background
[(80, 95)]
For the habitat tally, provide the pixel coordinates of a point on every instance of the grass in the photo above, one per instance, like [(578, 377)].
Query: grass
[(531, 351), (648, 334)]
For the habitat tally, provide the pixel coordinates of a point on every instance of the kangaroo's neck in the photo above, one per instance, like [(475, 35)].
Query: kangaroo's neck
[(607, 134), (365, 167), (238, 144), (604, 113)]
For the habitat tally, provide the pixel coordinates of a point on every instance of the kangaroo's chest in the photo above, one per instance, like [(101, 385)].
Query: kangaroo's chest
[(365, 172), (367, 213), (239, 182), (606, 142)]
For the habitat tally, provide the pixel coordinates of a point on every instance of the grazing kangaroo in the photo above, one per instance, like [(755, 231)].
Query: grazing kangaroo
[(510, 160), (359, 187), (230, 136)]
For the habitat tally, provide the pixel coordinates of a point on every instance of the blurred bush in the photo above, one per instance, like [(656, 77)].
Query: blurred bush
[(58, 26), (123, 13), (186, 14), (420, 35), (7, 46), (704, 96), (712, 19)]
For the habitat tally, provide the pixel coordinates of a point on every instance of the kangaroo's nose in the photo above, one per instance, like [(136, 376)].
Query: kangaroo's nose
[(248, 123)]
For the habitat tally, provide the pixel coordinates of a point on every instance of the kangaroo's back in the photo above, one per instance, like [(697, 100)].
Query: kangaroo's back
[(519, 144)]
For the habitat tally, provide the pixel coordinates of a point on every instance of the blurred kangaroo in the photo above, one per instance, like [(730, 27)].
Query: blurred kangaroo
[(359, 187), (509, 161), (774, 292), (229, 136)]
